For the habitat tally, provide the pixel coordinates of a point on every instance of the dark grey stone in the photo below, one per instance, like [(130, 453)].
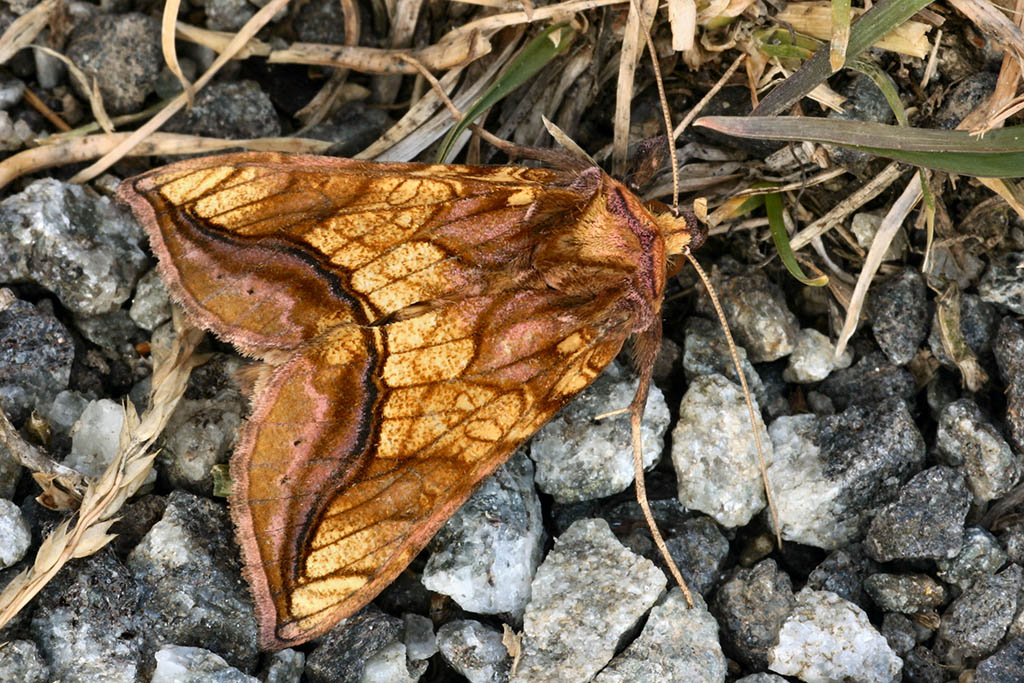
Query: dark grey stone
[(1009, 351), (36, 353), (120, 51), (926, 521), (831, 473), (229, 110), (975, 622), (899, 315), (899, 632), (751, 607), (921, 665), (189, 565), (843, 572), (964, 97), (905, 593), (86, 622), (699, 549), (342, 654), (1005, 666), (1003, 282), (870, 380)]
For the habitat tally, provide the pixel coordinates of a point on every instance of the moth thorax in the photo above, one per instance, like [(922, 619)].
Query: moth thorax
[(680, 232)]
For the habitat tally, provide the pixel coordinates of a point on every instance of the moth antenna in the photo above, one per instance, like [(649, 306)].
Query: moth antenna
[(746, 390), (663, 100), (646, 349)]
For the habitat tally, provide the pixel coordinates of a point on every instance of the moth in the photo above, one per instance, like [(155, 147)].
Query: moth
[(414, 324)]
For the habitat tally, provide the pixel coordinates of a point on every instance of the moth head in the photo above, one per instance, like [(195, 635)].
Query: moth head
[(679, 232)]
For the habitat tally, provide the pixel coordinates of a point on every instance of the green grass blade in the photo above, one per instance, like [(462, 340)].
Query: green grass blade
[(773, 207), (538, 53), (998, 154)]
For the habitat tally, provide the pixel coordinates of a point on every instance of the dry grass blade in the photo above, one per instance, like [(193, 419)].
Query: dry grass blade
[(1011, 193), (883, 238), (439, 57), (682, 17), (24, 29), (638, 22), (103, 498), (241, 38), (455, 112), (94, 146), (170, 53), (840, 33), (31, 458), (403, 26)]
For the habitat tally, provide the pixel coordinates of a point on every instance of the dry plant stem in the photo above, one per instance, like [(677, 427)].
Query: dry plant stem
[(93, 127), (840, 211), (933, 60), (56, 121), (34, 460), (746, 391), (123, 477), (424, 123), (93, 146), (403, 26), (697, 108), (803, 184), (495, 22), (993, 24), (257, 22), (89, 85)]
